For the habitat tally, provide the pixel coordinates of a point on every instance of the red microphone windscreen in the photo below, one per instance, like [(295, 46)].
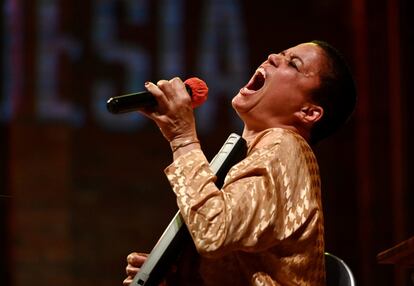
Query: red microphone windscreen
[(199, 91)]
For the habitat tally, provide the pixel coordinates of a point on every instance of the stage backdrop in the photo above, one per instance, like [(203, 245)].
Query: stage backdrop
[(81, 188)]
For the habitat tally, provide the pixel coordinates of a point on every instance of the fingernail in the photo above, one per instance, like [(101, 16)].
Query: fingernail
[(146, 83)]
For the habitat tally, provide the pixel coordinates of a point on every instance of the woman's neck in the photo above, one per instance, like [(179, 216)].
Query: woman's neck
[(250, 133)]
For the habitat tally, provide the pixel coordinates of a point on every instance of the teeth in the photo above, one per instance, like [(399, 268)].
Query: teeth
[(261, 71)]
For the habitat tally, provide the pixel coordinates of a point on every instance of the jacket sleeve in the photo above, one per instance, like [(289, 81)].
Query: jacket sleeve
[(256, 208)]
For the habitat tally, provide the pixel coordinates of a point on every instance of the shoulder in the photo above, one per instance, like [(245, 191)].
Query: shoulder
[(285, 147), (279, 138)]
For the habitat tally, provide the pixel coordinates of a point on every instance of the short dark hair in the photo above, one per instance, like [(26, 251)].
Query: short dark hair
[(336, 94)]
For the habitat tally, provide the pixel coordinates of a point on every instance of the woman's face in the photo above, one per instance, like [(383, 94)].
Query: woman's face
[(280, 87)]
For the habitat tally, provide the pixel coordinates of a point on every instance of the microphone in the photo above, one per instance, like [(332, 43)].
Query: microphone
[(196, 88)]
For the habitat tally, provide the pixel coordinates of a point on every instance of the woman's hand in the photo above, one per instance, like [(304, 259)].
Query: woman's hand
[(174, 114), (135, 261)]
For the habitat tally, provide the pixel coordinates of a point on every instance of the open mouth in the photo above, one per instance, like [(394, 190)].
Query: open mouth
[(257, 81)]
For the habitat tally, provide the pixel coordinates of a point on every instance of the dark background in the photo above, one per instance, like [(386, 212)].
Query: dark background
[(77, 193)]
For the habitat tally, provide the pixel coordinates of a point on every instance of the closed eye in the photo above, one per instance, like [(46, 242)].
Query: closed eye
[(293, 64), (293, 60)]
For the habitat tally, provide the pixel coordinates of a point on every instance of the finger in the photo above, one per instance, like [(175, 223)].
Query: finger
[(178, 84), (155, 90), (131, 271), (180, 88), (127, 281), (174, 89), (136, 259), (166, 87)]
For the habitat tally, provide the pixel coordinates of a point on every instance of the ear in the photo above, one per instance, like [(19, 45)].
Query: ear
[(310, 114)]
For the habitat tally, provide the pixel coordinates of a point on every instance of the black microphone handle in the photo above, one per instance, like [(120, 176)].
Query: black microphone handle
[(133, 101)]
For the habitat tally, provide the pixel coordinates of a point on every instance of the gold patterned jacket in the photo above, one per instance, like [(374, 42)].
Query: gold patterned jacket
[(264, 227)]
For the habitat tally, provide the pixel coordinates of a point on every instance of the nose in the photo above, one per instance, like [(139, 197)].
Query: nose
[(274, 59)]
